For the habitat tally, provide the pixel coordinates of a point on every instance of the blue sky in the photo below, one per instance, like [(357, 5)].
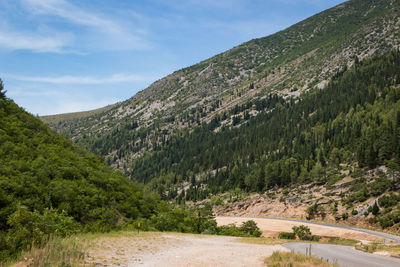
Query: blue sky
[(62, 56)]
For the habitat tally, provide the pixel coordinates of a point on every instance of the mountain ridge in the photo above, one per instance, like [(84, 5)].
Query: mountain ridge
[(302, 105), (252, 70)]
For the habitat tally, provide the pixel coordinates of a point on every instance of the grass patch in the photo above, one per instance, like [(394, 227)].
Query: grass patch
[(70, 251), (278, 241), (394, 250), (338, 241), (263, 240), (64, 252), (283, 259)]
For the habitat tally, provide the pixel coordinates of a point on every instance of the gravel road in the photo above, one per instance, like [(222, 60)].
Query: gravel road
[(345, 256), (207, 251), (178, 250)]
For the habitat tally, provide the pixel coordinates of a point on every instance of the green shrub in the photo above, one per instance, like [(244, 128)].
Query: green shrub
[(27, 228), (248, 228), (286, 235), (303, 232), (345, 215), (375, 209), (354, 212), (388, 201), (315, 238)]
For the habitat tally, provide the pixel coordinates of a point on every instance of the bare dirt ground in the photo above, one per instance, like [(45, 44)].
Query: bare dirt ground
[(271, 228), (171, 249)]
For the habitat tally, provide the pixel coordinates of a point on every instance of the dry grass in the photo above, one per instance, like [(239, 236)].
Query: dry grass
[(75, 250), (393, 250), (56, 252), (292, 259), (54, 119), (264, 240)]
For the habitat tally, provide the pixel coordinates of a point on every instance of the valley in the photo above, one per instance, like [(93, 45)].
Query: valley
[(255, 155)]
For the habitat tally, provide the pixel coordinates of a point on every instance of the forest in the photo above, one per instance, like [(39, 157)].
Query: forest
[(50, 187), (355, 121)]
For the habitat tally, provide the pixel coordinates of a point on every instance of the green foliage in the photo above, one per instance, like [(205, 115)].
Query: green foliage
[(2, 91), (48, 186), (302, 232), (353, 117), (354, 212), (286, 235), (375, 209), (345, 216), (315, 210), (247, 229), (28, 227), (388, 200), (184, 220), (250, 228)]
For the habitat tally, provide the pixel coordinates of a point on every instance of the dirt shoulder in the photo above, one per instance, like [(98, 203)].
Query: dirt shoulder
[(271, 228), (172, 249)]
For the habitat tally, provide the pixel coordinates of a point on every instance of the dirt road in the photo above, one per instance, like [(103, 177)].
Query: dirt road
[(170, 249)]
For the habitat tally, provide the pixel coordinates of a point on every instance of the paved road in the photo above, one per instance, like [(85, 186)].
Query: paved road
[(345, 256), (381, 234)]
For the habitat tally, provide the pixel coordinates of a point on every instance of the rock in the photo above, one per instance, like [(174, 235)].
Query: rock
[(293, 198)]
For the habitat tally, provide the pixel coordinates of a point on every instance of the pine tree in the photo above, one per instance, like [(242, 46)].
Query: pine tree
[(2, 91)]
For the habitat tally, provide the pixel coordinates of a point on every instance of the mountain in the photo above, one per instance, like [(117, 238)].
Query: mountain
[(287, 63), (315, 104), (48, 186)]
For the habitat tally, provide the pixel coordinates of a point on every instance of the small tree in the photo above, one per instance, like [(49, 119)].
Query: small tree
[(2, 92), (375, 209), (250, 227), (303, 232)]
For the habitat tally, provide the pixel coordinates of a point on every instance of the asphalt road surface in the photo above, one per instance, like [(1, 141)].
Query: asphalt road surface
[(345, 256)]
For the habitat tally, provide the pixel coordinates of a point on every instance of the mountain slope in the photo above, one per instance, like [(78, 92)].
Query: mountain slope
[(287, 63), (342, 141), (50, 186)]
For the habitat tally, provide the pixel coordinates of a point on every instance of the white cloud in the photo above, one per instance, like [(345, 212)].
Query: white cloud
[(38, 42), (110, 33), (67, 79)]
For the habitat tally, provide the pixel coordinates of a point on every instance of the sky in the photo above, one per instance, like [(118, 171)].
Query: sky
[(59, 56)]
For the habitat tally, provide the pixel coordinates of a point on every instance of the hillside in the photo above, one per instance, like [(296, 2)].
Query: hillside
[(55, 119), (309, 114), (48, 186), (287, 64), (343, 137)]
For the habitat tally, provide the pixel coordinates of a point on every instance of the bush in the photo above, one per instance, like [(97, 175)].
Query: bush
[(248, 228), (345, 215), (27, 228), (354, 212), (315, 238), (388, 201), (303, 232), (286, 235)]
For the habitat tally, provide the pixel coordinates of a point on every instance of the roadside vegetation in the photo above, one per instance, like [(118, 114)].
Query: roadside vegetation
[(303, 233), (390, 250), (289, 259), (51, 189)]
